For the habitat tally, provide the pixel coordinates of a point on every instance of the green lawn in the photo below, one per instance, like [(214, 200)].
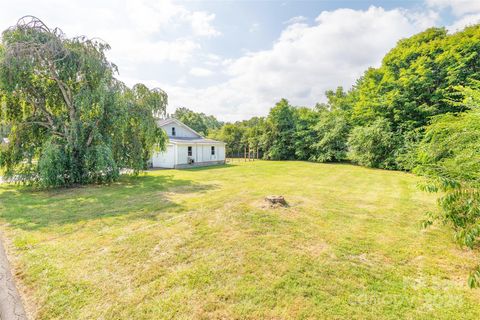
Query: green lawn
[(200, 243)]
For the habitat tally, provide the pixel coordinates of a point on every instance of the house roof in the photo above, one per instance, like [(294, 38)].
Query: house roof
[(199, 139), (163, 122), (192, 140)]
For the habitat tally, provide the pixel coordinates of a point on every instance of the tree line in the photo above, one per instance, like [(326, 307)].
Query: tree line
[(379, 120)]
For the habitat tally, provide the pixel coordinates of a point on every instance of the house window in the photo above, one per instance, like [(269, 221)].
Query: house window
[(213, 150), (173, 131), (189, 151)]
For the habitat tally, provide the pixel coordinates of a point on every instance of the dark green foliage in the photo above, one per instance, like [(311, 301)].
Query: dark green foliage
[(280, 133), (332, 133), (100, 164), (292, 132), (305, 133), (406, 154), (69, 120), (53, 164), (254, 134), (372, 145)]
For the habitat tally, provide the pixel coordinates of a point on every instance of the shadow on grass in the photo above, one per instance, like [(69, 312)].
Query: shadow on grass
[(141, 197)]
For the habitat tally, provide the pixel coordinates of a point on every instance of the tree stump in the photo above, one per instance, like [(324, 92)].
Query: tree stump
[(276, 201)]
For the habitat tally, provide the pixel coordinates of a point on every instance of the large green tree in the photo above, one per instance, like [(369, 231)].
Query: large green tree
[(305, 134), (70, 120), (333, 127), (280, 132)]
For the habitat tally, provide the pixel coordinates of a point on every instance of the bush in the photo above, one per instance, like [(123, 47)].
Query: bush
[(332, 130), (372, 145), (406, 156)]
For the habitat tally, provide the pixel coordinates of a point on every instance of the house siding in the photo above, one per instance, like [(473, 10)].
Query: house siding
[(176, 154), (200, 153), (180, 131), (165, 159)]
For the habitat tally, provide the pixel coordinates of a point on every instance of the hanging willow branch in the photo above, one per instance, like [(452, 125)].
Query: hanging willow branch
[(71, 121)]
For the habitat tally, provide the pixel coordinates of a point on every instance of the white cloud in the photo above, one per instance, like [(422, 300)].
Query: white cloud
[(304, 62), (423, 20), (467, 12), (138, 31), (200, 72), (297, 19), (124, 54), (151, 16), (464, 21), (458, 7), (212, 59), (201, 23)]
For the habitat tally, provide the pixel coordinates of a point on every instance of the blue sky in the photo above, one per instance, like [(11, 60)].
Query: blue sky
[(235, 59)]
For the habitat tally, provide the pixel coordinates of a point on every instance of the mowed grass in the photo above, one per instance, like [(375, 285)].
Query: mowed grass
[(200, 244)]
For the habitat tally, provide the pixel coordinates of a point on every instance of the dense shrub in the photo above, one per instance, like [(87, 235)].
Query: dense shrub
[(372, 145), (332, 133)]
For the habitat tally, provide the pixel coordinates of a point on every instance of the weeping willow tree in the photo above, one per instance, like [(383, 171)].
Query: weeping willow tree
[(70, 121)]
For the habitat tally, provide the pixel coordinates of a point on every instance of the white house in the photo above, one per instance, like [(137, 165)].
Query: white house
[(187, 148)]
